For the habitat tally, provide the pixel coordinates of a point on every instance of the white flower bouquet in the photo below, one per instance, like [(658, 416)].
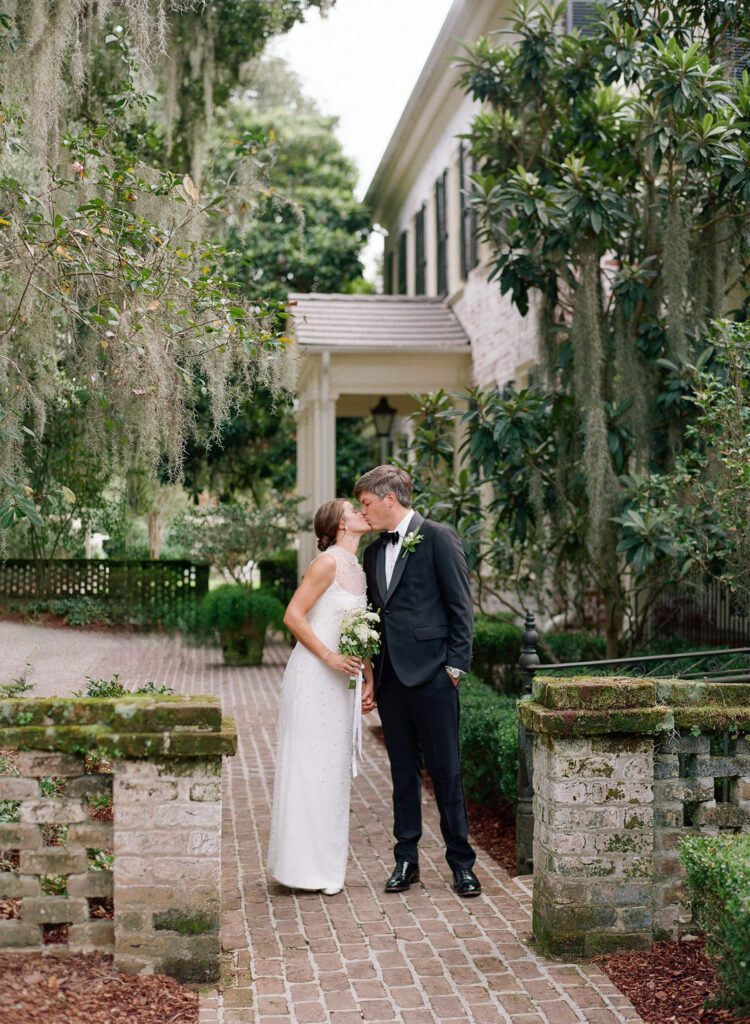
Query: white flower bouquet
[(359, 637)]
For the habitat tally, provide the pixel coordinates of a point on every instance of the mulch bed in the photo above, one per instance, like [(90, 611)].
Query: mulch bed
[(53, 621), (85, 989), (669, 983)]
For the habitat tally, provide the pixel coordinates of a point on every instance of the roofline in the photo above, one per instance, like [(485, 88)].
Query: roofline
[(464, 349), (434, 300), (435, 87)]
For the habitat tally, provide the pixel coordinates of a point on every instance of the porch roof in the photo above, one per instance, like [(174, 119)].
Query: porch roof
[(376, 323)]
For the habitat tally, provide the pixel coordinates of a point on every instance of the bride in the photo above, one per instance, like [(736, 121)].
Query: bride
[(310, 819)]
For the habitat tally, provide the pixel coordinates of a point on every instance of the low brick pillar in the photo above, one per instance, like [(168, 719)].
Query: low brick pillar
[(623, 769), (159, 857)]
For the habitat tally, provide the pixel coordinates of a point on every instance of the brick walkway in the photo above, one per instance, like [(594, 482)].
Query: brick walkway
[(426, 956)]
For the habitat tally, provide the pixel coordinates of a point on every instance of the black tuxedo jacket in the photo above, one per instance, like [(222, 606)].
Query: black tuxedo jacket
[(426, 614)]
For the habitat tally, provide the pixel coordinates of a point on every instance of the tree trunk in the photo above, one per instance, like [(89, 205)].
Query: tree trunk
[(155, 532)]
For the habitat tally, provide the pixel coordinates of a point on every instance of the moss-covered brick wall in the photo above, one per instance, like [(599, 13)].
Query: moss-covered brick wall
[(623, 769), (142, 833)]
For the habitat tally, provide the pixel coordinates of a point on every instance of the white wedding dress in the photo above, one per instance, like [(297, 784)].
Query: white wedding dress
[(309, 839)]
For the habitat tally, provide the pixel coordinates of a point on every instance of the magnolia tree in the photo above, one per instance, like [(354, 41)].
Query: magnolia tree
[(613, 184), (697, 514)]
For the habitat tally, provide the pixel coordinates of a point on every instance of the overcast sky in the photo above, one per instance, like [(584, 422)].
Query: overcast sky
[(361, 63)]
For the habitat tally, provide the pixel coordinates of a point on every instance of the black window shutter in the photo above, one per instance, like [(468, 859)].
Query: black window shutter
[(420, 276), (442, 233), (388, 274), (469, 254), (402, 280)]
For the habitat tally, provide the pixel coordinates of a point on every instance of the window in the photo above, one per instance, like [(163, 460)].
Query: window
[(402, 279), (441, 222), (737, 56), (388, 274), (469, 253), (420, 268), (582, 14)]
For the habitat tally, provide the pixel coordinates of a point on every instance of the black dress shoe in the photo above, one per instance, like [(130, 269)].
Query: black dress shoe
[(466, 883), (403, 875)]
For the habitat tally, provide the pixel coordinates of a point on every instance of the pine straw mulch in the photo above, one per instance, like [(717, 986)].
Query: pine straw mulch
[(85, 989), (669, 983)]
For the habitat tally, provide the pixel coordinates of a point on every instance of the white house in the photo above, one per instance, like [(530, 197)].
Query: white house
[(440, 322)]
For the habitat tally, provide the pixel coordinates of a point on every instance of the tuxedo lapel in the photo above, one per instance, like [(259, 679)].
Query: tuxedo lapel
[(403, 557), (380, 571)]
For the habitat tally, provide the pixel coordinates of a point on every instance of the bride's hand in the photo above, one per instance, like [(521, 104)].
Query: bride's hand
[(345, 663)]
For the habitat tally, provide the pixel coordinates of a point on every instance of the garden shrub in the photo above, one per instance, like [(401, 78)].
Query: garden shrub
[(718, 873), (565, 646), (489, 742), (231, 605), (241, 615), (497, 648)]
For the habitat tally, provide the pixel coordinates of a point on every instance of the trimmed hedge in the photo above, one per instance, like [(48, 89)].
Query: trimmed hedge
[(489, 742), (497, 648), (718, 872), (231, 605), (573, 646)]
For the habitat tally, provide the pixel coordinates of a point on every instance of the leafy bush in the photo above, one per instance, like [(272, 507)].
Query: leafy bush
[(497, 648), (489, 742), (565, 646), (718, 872), (231, 605), (114, 688)]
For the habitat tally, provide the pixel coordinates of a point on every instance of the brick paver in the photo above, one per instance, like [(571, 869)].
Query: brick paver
[(418, 958)]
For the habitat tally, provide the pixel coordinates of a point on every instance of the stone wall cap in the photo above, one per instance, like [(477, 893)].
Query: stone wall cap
[(595, 693), (645, 721), (136, 713)]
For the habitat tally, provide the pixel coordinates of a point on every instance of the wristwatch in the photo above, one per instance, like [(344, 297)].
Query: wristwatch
[(454, 673)]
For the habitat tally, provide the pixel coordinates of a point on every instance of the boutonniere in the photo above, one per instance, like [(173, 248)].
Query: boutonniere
[(410, 542)]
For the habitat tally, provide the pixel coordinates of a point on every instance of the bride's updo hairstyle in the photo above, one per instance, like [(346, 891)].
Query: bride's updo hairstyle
[(327, 522)]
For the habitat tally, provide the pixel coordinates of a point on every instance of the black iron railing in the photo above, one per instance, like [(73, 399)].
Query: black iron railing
[(725, 665)]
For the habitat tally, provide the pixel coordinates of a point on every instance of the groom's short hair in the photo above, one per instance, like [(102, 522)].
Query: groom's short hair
[(386, 480)]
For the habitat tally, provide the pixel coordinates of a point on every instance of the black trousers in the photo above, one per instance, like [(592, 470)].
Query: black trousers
[(422, 721)]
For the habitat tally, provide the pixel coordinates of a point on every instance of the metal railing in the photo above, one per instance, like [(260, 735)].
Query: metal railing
[(723, 665)]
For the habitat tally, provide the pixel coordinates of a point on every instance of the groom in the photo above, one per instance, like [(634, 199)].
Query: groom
[(418, 581)]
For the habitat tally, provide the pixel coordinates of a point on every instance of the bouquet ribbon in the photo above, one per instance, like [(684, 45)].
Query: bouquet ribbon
[(357, 723)]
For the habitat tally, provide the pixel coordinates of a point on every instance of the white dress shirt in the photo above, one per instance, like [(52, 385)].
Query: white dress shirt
[(392, 551)]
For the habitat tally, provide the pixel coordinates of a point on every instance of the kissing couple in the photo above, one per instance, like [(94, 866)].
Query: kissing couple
[(414, 575)]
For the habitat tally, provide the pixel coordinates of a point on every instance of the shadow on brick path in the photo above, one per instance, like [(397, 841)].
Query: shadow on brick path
[(425, 956)]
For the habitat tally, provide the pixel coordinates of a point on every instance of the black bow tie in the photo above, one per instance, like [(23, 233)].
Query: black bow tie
[(386, 536)]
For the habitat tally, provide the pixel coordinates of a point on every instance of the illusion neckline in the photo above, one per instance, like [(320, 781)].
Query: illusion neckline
[(348, 554)]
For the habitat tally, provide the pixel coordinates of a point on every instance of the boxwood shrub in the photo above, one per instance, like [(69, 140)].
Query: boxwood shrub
[(718, 873), (497, 648), (230, 605), (489, 742)]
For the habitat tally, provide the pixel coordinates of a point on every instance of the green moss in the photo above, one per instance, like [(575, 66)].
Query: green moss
[(573, 723), (83, 739), (596, 694), (199, 969), (185, 923)]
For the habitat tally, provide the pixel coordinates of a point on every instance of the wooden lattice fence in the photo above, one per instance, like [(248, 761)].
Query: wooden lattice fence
[(153, 591)]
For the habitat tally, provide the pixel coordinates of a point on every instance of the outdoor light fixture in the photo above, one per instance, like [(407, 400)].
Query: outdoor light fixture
[(383, 415)]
